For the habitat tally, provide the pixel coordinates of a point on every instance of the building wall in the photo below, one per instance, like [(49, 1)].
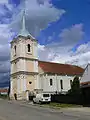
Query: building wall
[(56, 86), (30, 86), (29, 80), (22, 49), (86, 75), (26, 62), (29, 63), (13, 85), (29, 66), (24, 65), (21, 83)]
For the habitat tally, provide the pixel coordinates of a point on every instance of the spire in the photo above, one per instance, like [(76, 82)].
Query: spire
[(24, 32), (23, 21)]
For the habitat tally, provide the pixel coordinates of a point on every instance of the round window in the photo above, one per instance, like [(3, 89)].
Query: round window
[(30, 82)]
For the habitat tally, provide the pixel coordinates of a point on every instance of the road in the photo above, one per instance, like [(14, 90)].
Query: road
[(14, 111)]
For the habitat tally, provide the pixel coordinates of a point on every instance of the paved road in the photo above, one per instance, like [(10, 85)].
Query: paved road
[(14, 111)]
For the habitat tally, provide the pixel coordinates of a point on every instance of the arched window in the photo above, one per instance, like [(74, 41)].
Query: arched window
[(29, 48), (61, 84), (15, 49), (51, 82)]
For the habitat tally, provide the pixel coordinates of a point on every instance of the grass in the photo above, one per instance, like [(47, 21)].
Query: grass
[(60, 105), (3, 96)]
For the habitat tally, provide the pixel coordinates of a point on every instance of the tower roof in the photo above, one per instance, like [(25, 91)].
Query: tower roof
[(24, 32)]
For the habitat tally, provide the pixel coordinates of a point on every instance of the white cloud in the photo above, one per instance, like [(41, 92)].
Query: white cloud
[(70, 36), (4, 52), (51, 37), (37, 15), (61, 51), (83, 48), (4, 48), (40, 14), (3, 1), (5, 34), (5, 8), (64, 55), (54, 53), (81, 56)]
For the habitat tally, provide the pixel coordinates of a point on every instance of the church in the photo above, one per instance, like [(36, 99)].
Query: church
[(29, 75)]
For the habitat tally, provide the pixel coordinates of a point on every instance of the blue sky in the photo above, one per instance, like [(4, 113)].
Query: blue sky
[(77, 11), (62, 28)]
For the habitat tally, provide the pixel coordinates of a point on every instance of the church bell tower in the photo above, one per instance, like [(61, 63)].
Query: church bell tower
[(24, 63)]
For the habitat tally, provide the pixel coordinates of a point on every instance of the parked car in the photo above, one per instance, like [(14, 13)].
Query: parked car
[(42, 98)]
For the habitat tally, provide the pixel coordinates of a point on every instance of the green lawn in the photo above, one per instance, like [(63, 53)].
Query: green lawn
[(3, 96)]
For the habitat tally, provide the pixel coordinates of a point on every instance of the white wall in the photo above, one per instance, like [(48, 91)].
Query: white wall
[(21, 65), (45, 83), (35, 49), (22, 49), (18, 85), (11, 88), (21, 83), (86, 75), (35, 66), (37, 83)]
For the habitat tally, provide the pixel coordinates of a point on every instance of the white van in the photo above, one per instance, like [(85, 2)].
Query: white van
[(42, 98)]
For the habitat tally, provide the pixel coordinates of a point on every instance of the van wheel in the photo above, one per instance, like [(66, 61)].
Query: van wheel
[(40, 102), (33, 102), (48, 102)]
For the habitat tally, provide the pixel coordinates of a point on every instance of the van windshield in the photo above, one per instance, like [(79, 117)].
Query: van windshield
[(45, 95)]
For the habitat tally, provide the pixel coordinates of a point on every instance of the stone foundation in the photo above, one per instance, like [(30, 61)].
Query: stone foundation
[(20, 96), (25, 94)]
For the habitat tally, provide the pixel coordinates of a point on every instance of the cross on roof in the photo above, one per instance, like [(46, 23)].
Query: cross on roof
[(24, 32)]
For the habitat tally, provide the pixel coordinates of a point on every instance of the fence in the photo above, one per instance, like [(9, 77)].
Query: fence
[(67, 99)]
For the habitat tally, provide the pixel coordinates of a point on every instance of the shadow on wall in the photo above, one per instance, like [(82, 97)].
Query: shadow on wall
[(31, 95)]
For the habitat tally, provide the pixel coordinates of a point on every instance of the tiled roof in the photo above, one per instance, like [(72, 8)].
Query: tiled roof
[(85, 83), (64, 69), (3, 90)]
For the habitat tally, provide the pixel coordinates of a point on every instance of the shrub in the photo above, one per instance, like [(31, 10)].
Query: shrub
[(75, 87)]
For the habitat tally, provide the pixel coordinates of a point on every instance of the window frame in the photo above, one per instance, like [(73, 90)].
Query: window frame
[(28, 48), (61, 84), (15, 48), (30, 82), (51, 82)]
